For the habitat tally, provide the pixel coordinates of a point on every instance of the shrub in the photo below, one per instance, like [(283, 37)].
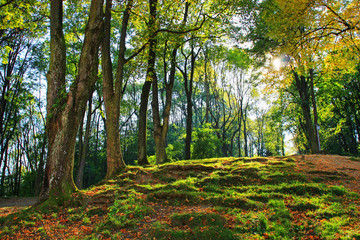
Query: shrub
[(206, 144)]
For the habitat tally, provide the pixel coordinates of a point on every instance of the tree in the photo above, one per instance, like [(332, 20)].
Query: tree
[(83, 145), (161, 129), (113, 92), (150, 76), (188, 84), (65, 108), (17, 92)]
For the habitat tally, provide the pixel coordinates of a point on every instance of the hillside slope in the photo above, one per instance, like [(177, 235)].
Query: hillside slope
[(228, 198)]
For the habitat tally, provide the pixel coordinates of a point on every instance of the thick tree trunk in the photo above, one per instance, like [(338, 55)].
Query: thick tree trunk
[(113, 94), (65, 110), (303, 89)]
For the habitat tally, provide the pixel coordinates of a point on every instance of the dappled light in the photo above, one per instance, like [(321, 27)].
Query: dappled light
[(183, 119)]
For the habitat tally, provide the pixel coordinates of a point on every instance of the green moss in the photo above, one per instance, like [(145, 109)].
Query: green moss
[(193, 226), (197, 219), (127, 212)]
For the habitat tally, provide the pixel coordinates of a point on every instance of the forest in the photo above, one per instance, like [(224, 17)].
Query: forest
[(90, 87)]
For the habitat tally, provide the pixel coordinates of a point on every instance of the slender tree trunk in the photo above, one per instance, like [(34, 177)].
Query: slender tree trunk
[(189, 107), (207, 90), (2, 190), (313, 100), (160, 131), (64, 110), (232, 139), (150, 76), (244, 117), (282, 141), (142, 135), (40, 168), (189, 116), (160, 140), (82, 158), (239, 135)]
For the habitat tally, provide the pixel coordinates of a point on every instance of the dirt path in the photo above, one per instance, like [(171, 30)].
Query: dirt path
[(338, 170), (17, 202), (12, 205)]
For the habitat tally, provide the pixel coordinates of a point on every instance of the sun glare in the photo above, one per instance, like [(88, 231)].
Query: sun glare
[(277, 63)]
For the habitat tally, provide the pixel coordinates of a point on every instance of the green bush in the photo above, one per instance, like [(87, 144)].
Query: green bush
[(205, 143)]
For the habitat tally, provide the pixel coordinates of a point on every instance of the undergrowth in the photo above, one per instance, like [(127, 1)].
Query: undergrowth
[(225, 198)]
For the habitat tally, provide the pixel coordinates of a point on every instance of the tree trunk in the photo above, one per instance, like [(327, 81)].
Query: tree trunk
[(244, 117), (207, 90), (40, 168), (142, 135), (64, 110), (313, 100), (113, 94), (85, 143), (188, 126), (160, 131), (239, 135), (189, 107), (150, 77), (303, 89)]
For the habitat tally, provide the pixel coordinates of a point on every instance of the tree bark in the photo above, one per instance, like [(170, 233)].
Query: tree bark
[(142, 134), (150, 76), (188, 82), (161, 130), (303, 90), (313, 101), (85, 142), (64, 110), (244, 117), (2, 190), (40, 168), (113, 94)]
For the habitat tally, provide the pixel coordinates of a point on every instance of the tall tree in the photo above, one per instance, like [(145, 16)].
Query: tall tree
[(150, 76), (83, 145), (113, 90), (65, 108), (161, 129), (188, 84)]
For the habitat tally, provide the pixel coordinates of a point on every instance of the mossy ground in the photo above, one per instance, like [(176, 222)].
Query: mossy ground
[(228, 198)]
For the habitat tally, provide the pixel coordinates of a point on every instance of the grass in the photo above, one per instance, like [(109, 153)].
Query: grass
[(226, 198)]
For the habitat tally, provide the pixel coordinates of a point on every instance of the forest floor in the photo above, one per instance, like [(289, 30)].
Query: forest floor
[(295, 197)]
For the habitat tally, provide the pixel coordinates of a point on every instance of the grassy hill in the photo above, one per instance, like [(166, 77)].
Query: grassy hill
[(228, 198)]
